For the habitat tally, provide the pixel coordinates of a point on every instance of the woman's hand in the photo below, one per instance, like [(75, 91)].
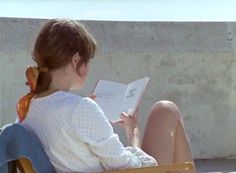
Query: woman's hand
[(130, 123)]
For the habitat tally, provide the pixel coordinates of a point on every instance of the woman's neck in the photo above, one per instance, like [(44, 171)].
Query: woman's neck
[(60, 82)]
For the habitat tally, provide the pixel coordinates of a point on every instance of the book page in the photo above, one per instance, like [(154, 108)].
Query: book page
[(134, 94), (109, 95)]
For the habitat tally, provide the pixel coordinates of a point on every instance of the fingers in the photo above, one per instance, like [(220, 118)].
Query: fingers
[(130, 115), (121, 120), (92, 97), (127, 120), (123, 115), (118, 121)]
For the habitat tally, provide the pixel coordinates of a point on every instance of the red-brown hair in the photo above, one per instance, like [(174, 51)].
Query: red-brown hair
[(55, 46)]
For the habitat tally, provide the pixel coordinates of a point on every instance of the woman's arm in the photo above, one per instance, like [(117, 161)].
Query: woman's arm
[(133, 137), (91, 125), (130, 124)]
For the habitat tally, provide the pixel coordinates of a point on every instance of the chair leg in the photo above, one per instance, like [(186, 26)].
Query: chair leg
[(25, 166)]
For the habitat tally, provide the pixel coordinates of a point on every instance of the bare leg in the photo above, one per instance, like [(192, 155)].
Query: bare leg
[(164, 136)]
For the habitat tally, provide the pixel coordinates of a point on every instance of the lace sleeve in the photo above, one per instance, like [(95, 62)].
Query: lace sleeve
[(92, 126), (145, 159)]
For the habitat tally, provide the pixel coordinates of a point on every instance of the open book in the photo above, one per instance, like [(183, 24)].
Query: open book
[(115, 98)]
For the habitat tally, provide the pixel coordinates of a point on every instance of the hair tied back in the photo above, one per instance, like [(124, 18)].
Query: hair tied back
[(22, 107)]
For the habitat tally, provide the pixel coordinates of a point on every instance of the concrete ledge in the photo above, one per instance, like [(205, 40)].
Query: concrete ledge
[(192, 64), (216, 165)]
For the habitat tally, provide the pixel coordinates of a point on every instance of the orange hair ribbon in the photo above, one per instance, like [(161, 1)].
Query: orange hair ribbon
[(24, 102)]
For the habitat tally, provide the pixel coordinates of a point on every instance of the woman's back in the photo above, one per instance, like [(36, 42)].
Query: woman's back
[(51, 118), (77, 136)]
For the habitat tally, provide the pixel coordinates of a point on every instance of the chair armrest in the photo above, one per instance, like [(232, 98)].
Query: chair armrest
[(158, 169), (25, 166)]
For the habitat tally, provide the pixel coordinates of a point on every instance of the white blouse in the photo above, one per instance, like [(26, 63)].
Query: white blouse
[(77, 136)]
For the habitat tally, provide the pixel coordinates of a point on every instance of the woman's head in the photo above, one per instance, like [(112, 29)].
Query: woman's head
[(60, 43)]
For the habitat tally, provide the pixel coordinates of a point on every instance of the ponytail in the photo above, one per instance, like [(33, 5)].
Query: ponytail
[(43, 81), (56, 44), (38, 80)]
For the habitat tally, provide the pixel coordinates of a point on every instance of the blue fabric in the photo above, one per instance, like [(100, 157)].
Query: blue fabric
[(17, 142)]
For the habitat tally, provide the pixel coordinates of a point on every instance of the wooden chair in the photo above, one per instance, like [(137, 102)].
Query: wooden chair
[(13, 135), (25, 166)]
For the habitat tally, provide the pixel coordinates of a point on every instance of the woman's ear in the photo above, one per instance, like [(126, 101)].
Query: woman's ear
[(75, 60)]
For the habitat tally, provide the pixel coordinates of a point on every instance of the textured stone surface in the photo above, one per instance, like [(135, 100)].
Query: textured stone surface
[(191, 64), (216, 166)]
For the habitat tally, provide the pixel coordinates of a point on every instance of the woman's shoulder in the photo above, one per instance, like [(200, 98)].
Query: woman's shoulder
[(64, 98), (87, 108), (68, 95), (78, 100), (89, 105)]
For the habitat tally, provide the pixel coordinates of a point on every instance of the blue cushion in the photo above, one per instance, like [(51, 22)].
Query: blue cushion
[(17, 142)]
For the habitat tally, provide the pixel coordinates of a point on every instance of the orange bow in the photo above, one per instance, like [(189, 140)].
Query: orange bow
[(24, 102)]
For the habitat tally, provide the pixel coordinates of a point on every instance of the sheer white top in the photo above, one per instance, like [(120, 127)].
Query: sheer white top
[(77, 136)]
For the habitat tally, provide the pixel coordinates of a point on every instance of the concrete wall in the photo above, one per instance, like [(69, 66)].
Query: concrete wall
[(192, 64)]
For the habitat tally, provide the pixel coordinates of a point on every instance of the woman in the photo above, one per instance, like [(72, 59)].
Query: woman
[(74, 131)]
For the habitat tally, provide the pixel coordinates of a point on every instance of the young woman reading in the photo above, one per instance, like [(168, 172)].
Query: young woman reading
[(74, 131)]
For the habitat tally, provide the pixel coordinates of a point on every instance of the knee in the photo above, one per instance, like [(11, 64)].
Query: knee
[(166, 109)]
